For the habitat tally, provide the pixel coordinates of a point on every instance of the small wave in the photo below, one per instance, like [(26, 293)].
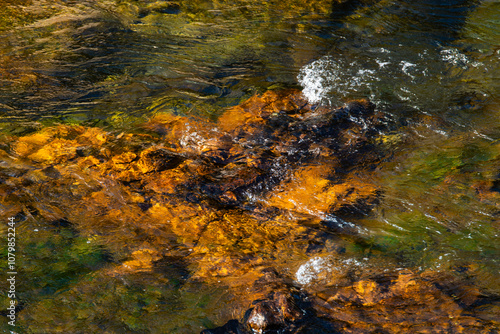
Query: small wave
[(454, 57), (422, 78), (329, 79), (317, 267)]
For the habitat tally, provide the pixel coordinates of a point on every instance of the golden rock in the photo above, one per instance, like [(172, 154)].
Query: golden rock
[(141, 260), (309, 190)]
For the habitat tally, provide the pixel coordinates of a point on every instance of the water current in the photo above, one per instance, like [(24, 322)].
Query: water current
[(172, 166)]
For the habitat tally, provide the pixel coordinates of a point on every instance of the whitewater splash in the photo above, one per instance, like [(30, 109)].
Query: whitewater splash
[(422, 80), (320, 268), (330, 77)]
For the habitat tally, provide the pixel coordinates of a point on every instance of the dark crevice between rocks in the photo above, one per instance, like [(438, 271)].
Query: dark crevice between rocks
[(284, 310)]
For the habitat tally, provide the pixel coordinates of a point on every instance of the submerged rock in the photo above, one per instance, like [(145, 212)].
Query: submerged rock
[(281, 308), (280, 142), (278, 312), (375, 301), (222, 195), (309, 190), (274, 150), (158, 160), (395, 302), (261, 188)]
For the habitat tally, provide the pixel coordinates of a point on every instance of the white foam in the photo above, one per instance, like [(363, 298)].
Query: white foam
[(418, 79), (310, 271), (334, 78), (456, 58), (314, 78)]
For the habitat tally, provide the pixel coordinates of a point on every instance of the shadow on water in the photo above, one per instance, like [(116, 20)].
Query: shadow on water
[(102, 60)]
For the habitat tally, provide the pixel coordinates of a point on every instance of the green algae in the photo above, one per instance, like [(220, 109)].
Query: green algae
[(13, 14), (54, 258), (444, 215), (129, 304)]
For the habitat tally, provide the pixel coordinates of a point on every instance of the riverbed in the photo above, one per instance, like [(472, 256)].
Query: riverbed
[(179, 166)]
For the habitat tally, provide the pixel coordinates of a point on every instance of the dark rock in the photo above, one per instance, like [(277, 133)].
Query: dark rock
[(61, 223), (265, 316), (269, 136), (51, 172), (283, 312), (168, 8), (158, 159), (231, 327), (279, 312)]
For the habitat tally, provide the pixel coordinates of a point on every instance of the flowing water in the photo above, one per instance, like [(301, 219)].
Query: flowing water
[(93, 254)]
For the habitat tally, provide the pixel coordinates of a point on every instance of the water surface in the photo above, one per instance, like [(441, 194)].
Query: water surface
[(95, 254)]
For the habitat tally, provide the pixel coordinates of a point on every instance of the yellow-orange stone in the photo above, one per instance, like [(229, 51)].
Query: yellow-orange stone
[(142, 260), (252, 112), (56, 150), (309, 191)]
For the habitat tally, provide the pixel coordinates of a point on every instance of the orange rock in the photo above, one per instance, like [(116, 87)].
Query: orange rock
[(121, 161), (183, 134), (166, 182), (92, 136), (88, 162), (253, 112), (236, 243), (186, 221), (57, 144), (403, 303), (310, 191), (369, 292), (237, 118), (55, 151), (29, 144), (141, 260), (217, 266), (275, 101)]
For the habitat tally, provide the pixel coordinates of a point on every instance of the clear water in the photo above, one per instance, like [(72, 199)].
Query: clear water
[(431, 67)]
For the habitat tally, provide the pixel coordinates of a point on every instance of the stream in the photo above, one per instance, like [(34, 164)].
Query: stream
[(243, 166)]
